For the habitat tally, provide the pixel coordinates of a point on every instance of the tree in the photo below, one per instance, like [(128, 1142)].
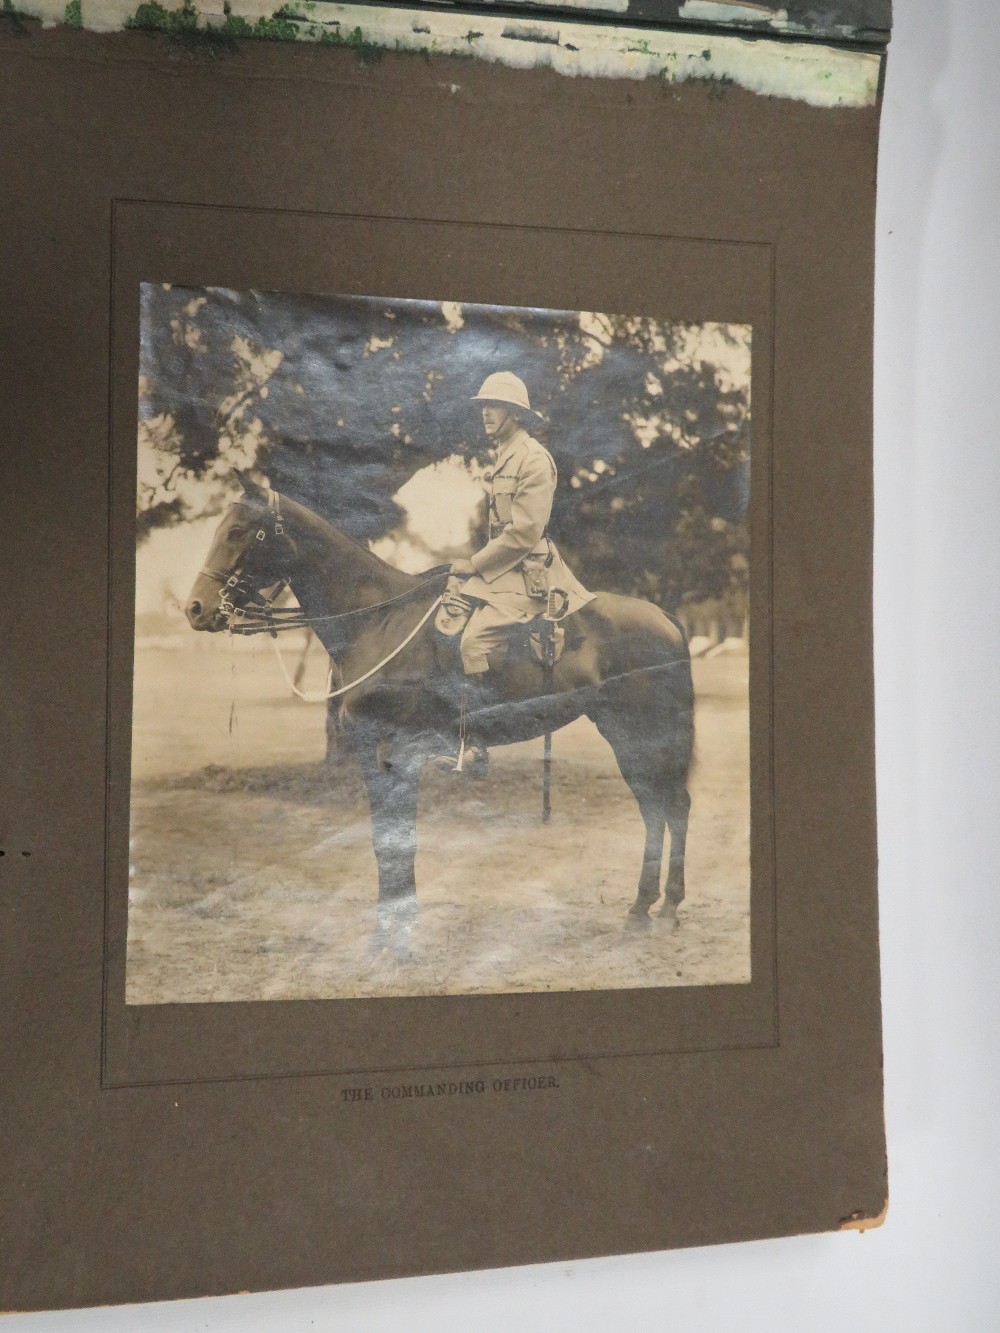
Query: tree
[(339, 401)]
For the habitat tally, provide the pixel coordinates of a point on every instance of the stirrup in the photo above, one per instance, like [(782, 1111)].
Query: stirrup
[(471, 761)]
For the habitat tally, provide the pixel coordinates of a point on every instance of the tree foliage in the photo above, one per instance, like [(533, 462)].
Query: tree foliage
[(339, 401)]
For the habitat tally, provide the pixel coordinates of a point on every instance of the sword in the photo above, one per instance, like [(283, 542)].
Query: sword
[(555, 608)]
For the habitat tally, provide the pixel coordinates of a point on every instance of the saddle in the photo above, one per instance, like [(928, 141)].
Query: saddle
[(542, 637)]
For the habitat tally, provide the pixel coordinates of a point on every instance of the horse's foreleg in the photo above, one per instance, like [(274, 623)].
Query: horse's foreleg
[(392, 796)]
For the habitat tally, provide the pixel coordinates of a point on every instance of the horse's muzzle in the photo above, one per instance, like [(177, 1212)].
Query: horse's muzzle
[(202, 617)]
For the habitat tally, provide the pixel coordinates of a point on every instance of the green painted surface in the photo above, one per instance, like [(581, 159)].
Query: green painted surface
[(809, 71)]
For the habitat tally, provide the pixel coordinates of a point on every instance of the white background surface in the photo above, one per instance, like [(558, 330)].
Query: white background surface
[(934, 1265)]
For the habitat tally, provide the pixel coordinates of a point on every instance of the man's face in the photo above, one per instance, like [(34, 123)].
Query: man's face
[(495, 417)]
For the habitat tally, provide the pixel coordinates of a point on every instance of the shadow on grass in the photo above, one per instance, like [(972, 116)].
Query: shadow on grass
[(306, 784)]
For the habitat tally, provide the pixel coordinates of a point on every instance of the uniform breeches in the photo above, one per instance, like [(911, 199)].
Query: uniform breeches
[(487, 632)]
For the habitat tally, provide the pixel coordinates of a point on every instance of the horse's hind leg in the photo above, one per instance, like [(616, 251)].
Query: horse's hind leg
[(678, 808), (653, 811), (657, 777), (640, 767)]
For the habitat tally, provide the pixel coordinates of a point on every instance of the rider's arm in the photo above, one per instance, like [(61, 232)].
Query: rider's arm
[(531, 505)]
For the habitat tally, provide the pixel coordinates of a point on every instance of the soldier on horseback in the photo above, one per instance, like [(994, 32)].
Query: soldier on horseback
[(507, 582), (626, 667)]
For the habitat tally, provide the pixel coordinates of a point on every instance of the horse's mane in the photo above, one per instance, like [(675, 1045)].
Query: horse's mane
[(324, 526)]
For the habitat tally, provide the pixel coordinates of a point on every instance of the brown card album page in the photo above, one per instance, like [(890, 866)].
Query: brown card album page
[(438, 809)]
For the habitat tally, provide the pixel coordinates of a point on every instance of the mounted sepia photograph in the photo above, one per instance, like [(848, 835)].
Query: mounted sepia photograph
[(441, 656)]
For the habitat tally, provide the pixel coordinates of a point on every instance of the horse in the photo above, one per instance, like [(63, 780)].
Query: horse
[(625, 665)]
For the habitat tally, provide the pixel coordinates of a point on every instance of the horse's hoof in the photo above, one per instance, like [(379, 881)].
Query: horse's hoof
[(396, 917), (387, 955), (668, 913), (379, 948), (638, 917), (390, 949), (395, 923)]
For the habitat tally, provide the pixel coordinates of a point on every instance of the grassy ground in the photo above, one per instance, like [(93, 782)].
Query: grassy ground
[(253, 875)]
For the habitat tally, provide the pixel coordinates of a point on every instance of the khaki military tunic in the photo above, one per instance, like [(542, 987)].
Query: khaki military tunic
[(518, 552)]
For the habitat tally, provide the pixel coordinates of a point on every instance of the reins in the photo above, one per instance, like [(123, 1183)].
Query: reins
[(263, 617), (317, 698)]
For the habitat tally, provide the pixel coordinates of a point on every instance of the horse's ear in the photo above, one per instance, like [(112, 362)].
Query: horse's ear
[(250, 487)]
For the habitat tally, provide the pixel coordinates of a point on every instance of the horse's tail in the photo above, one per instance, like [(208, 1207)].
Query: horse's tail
[(686, 731), (680, 697), (677, 623)]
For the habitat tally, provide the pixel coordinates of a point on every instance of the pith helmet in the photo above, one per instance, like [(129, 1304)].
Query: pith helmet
[(503, 387)]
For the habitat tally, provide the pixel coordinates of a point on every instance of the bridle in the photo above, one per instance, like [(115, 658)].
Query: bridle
[(255, 612), (248, 608)]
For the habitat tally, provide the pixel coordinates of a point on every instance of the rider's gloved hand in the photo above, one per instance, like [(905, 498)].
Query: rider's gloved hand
[(462, 569)]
